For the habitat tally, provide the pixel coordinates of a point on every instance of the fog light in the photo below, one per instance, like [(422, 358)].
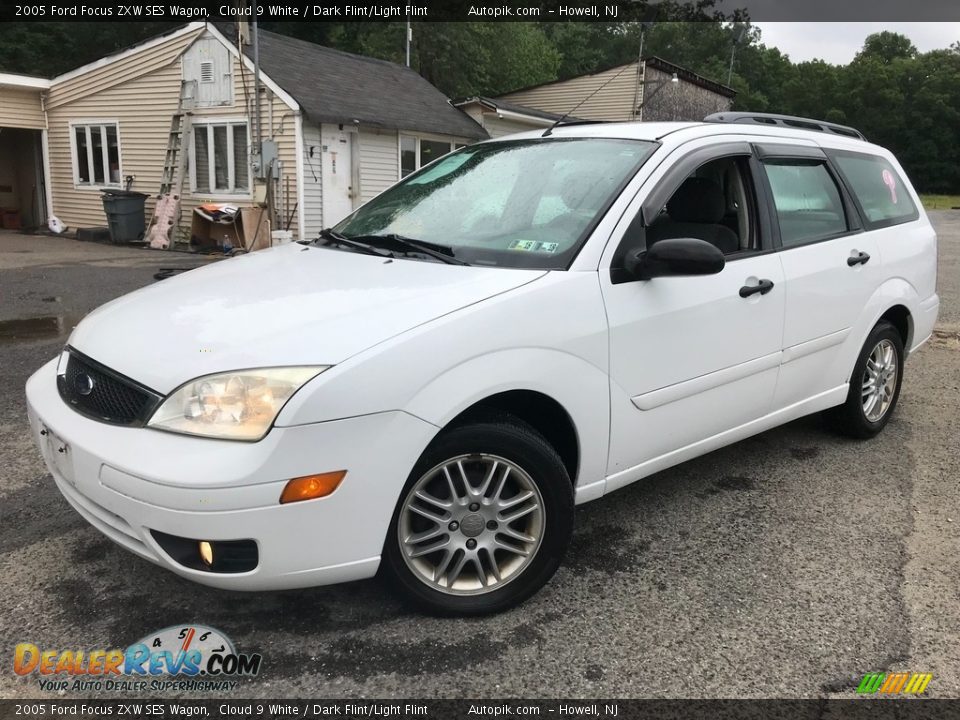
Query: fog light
[(215, 556), (310, 487), (206, 552)]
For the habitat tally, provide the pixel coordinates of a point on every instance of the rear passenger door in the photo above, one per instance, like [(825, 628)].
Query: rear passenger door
[(831, 268)]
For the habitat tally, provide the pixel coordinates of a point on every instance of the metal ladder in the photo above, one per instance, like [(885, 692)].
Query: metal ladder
[(175, 161), (174, 169)]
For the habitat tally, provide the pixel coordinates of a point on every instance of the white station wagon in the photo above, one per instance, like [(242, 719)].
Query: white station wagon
[(524, 325)]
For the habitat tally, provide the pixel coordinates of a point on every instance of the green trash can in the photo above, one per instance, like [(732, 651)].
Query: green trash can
[(125, 215)]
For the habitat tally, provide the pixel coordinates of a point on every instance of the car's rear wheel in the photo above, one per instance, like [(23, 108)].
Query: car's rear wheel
[(874, 384), (483, 521)]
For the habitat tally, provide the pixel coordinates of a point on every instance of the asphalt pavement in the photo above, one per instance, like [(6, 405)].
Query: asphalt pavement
[(787, 565)]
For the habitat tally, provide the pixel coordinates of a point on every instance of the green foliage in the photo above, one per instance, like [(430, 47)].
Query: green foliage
[(900, 98), (51, 48), (483, 58), (886, 47)]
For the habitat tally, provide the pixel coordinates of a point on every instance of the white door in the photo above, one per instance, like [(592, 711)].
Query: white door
[(692, 357), (337, 154), (831, 270)]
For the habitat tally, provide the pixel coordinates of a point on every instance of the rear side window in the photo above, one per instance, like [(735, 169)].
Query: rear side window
[(878, 189), (807, 200)]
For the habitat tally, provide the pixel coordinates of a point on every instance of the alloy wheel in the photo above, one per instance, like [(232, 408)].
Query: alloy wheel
[(879, 382), (471, 524)]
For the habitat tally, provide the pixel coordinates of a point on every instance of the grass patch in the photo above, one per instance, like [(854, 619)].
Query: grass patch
[(940, 202)]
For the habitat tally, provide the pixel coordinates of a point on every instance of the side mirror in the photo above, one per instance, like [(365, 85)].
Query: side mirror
[(676, 256)]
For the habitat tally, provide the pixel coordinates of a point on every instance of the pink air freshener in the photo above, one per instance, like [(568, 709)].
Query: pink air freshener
[(891, 184)]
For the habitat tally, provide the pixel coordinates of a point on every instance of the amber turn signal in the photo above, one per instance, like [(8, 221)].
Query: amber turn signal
[(310, 487)]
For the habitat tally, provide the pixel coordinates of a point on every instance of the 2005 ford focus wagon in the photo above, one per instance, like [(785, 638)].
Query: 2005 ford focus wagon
[(430, 387)]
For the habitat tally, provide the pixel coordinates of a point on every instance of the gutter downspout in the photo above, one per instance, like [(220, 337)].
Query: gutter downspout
[(45, 156), (256, 91), (643, 89), (301, 194), (509, 114)]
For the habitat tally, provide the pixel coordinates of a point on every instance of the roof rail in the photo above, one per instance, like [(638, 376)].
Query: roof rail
[(800, 123)]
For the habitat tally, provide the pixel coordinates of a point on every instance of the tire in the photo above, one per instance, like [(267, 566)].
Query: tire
[(856, 418), (432, 559)]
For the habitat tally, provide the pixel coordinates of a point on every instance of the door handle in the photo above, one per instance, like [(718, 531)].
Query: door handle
[(762, 287), (858, 259)]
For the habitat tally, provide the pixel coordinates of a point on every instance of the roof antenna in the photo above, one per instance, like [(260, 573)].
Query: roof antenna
[(549, 131)]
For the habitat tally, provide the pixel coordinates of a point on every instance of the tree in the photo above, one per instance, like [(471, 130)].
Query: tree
[(464, 59), (51, 48), (905, 100), (886, 47)]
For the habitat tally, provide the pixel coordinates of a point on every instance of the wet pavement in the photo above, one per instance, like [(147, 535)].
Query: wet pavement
[(787, 565)]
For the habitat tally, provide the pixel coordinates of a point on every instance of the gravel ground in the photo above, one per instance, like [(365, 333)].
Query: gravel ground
[(787, 565)]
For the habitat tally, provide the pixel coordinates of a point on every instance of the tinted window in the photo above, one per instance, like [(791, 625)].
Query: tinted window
[(431, 150), (807, 200), (878, 188), (408, 155), (714, 204)]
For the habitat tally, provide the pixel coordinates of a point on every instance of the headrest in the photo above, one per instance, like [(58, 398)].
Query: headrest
[(698, 200)]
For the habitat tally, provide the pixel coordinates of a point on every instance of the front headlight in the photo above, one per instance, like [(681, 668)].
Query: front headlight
[(239, 405)]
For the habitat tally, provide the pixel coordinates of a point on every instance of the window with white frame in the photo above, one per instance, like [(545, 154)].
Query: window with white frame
[(220, 157), (415, 152), (96, 154)]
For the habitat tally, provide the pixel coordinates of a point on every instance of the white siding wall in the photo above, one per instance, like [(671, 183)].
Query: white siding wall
[(217, 89), (312, 185), (379, 161), (141, 92), (495, 125), (498, 126), (613, 102), (21, 109)]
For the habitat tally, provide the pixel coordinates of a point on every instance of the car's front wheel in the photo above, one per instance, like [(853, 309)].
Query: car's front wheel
[(874, 384), (483, 521)]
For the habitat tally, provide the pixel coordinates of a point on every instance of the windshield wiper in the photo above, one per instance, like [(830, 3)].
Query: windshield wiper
[(332, 236), (442, 253)]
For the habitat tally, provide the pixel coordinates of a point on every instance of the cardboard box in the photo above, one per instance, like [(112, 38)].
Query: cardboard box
[(243, 232)]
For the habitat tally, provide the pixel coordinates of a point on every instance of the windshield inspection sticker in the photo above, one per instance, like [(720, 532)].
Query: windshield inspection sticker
[(533, 246)]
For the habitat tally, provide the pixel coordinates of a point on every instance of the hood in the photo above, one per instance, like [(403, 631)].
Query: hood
[(293, 305)]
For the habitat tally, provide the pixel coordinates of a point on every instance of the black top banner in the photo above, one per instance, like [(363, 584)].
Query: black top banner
[(466, 11)]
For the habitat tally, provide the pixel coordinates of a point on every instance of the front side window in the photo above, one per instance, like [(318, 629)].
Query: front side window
[(96, 155), (521, 203), (715, 204), (415, 152), (221, 158), (808, 203), (878, 188)]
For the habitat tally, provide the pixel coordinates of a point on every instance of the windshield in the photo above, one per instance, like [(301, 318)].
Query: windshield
[(520, 203)]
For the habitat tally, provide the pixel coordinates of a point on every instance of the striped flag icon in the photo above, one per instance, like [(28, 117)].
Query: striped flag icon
[(894, 683)]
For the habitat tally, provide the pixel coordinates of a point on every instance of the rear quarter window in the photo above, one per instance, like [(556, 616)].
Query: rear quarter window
[(877, 187)]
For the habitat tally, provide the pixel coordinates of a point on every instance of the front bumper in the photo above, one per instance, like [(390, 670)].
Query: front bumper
[(129, 481)]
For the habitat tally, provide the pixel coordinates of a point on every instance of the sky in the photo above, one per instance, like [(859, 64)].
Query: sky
[(838, 42)]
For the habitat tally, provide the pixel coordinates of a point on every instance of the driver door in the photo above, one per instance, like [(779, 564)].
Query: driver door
[(692, 357)]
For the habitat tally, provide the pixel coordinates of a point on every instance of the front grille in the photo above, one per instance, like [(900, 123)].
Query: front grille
[(102, 394)]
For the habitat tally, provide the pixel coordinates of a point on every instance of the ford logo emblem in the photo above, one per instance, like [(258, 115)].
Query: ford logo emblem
[(83, 384)]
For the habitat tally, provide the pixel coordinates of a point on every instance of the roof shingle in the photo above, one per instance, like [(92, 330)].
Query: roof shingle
[(339, 87)]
